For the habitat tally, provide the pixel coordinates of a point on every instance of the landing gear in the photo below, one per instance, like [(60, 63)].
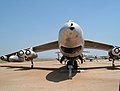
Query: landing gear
[(30, 59), (75, 65), (62, 59), (71, 65), (32, 64), (113, 63), (81, 59)]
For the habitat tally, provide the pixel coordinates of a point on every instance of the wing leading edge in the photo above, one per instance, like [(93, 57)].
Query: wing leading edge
[(97, 45), (46, 47), (88, 44), (54, 45)]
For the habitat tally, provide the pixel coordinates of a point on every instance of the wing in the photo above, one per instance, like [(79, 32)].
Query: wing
[(88, 44), (97, 45), (54, 45), (40, 48), (45, 47)]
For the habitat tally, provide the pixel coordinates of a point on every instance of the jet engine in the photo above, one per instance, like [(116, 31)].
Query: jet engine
[(21, 53), (115, 52), (4, 58), (30, 54), (14, 58)]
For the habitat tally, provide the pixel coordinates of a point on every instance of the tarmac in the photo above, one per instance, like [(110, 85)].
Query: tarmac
[(53, 76)]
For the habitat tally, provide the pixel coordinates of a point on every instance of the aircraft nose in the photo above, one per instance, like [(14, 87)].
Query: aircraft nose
[(72, 28)]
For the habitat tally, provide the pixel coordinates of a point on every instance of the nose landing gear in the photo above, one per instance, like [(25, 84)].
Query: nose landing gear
[(71, 65)]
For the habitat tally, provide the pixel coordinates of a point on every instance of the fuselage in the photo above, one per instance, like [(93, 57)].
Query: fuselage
[(71, 42)]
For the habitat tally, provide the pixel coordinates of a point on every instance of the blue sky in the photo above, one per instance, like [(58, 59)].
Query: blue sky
[(25, 23)]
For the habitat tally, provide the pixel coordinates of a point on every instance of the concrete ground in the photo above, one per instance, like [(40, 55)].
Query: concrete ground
[(51, 76)]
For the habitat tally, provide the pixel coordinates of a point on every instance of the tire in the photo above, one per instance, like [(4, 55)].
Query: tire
[(69, 63), (75, 66)]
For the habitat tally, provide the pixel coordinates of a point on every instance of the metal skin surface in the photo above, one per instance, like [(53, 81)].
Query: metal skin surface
[(71, 38), (31, 54), (15, 58)]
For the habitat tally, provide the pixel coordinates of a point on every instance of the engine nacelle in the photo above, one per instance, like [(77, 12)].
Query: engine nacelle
[(115, 52), (21, 53), (4, 58), (30, 54), (15, 58)]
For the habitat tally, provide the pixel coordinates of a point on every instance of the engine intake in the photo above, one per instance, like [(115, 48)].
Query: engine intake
[(21, 53), (115, 52), (4, 58), (30, 53)]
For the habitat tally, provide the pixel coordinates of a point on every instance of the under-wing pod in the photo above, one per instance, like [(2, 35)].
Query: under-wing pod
[(15, 58), (21, 53), (4, 58), (115, 52), (30, 53)]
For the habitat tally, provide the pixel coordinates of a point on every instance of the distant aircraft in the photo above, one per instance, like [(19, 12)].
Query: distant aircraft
[(70, 43), (89, 57)]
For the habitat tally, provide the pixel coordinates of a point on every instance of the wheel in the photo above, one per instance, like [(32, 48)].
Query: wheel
[(69, 63), (75, 65), (31, 66), (113, 63), (70, 69), (110, 59)]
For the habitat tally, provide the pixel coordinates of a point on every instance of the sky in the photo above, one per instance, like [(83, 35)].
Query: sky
[(27, 23)]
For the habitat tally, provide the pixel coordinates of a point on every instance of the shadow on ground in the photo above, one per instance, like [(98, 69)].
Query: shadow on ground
[(22, 68), (101, 67), (59, 74)]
